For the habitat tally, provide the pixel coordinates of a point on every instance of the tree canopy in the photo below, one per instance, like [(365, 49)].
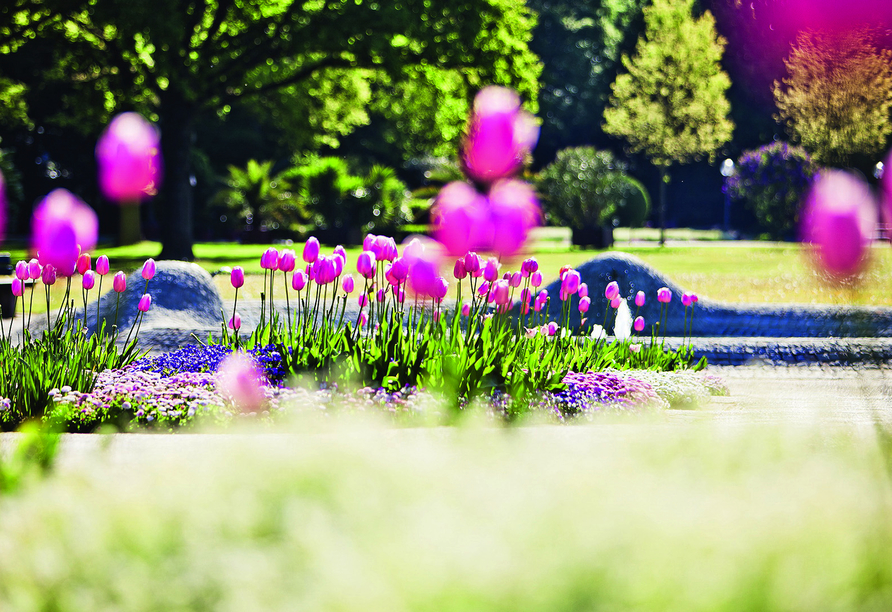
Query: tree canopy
[(838, 97), (310, 63)]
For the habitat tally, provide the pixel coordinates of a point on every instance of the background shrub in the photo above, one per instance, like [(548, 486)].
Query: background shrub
[(585, 187), (772, 180)]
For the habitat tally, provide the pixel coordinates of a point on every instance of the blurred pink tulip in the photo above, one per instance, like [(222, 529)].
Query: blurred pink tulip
[(500, 135), (60, 223), (148, 269), (237, 277), (119, 282), (348, 284), (363, 319), (48, 275), (18, 287), (640, 298), (514, 211), (145, 303), (311, 250), (686, 300), (639, 324), (102, 266), (129, 159), (241, 380), (839, 221), (89, 280), (664, 295), (235, 323), (612, 290), (460, 215), (362, 300), (21, 270), (365, 264), (423, 277), (466, 309)]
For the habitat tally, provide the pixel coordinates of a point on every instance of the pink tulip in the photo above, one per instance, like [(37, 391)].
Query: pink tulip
[(368, 242), (460, 216), (129, 159), (439, 289), (311, 250), (287, 260), (235, 322), (640, 299), (466, 310), (401, 296), (380, 296), (83, 263), (525, 296), (458, 271), (615, 302), (385, 248), (399, 270), (570, 284), (472, 262), (145, 303), (552, 328), (585, 303), (18, 287), (515, 280), (33, 269), (148, 269), (241, 380), (686, 300), (638, 324), (583, 290), (483, 288), (500, 135), (612, 290), (664, 295), (348, 284), (119, 282), (237, 277), (365, 264), (362, 300), (500, 292), (89, 280), (338, 262), (536, 279), (363, 319), (270, 259), (341, 252), (491, 270), (528, 267), (635, 348), (514, 211), (60, 223), (21, 270), (839, 221), (102, 267), (423, 277), (299, 280), (694, 298), (48, 275)]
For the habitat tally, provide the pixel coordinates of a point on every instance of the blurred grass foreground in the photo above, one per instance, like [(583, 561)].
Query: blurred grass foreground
[(619, 516)]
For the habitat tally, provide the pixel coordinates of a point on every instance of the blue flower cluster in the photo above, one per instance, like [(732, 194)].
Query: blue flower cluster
[(199, 358), (588, 391)]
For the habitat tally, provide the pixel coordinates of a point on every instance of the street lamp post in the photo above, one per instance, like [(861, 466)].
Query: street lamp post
[(727, 170)]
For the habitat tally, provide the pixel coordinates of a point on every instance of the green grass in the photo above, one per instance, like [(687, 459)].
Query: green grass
[(638, 515), (732, 272)]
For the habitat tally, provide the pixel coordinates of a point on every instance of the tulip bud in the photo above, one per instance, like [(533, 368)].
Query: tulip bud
[(459, 271), (83, 263), (366, 264), (536, 279), (639, 299), (584, 304), (612, 290), (686, 300), (235, 322), (466, 310), (148, 269), (615, 302), (48, 275), (491, 270), (570, 284), (664, 295), (33, 269), (552, 328), (102, 266), (311, 250), (21, 270), (286, 260), (472, 262), (89, 280), (237, 277), (500, 292), (145, 302), (368, 242), (18, 287), (299, 280), (362, 300), (483, 289), (583, 290), (119, 283), (380, 296), (348, 284), (515, 279), (363, 319), (639, 324)]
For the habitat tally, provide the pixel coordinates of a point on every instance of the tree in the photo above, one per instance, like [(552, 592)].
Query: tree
[(311, 61), (838, 97), (671, 103)]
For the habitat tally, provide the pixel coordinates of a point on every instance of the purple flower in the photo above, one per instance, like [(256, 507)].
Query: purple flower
[(62, 226)]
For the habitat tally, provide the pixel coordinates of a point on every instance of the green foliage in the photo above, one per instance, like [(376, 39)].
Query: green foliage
[(671, 104), (586, 187), (257, 198), (33, 457), (838, 98), (634, 207), (773, 180)]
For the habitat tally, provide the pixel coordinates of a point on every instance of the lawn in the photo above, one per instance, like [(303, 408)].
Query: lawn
[(728, 271)]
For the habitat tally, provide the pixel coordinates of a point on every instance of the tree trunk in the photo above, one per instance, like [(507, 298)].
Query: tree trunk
[(129, 225), (177, 117), (662, 205)]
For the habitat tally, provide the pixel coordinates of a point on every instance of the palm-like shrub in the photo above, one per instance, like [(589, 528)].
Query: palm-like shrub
[(772, 180), (257, 198)]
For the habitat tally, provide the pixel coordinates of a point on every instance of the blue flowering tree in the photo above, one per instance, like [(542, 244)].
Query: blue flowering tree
[(772, 180)]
